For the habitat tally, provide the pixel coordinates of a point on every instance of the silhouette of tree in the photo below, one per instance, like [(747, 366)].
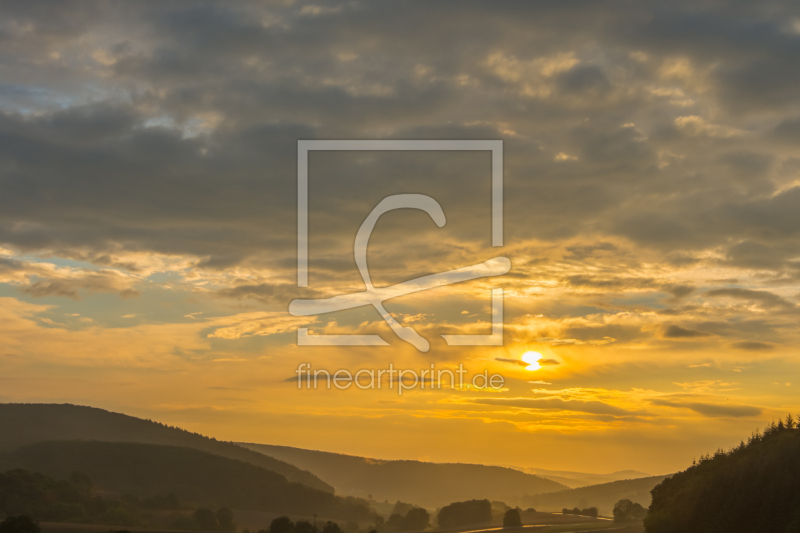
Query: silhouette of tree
[(282, 524), (628, 510), (205, 519), (463, 513), (19, 524), (401, 508), (417, 519), (304, 526), (225, 520), (752, 487), (512, 518), (331, 527), (395, 522)]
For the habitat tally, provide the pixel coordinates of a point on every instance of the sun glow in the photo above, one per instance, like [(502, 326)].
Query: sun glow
[(532, 358)]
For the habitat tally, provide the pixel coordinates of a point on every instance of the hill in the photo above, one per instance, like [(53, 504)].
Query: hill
[(753, 488), (42, 498), (202, 478), (28, 423), (575, 480), (602, 496), (428, 484)]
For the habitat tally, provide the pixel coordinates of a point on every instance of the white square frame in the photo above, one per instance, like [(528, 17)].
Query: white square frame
[(305, 146)]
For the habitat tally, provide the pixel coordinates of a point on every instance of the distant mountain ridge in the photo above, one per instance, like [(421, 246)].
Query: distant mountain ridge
[(602, 496), (583, 479), (29, 423), (427, 484)]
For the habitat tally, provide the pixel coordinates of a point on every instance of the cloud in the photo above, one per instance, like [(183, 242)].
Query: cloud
[(518, 362), (694, 125), (557, 404), (753, 346), (677, 332), (582, 251), (712, 410), (267, 292), (259, 324), (40, 279), (609, 283), (152, 149), (765, 299)]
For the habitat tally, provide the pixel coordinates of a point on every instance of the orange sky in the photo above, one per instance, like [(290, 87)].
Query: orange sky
[(148, 221)]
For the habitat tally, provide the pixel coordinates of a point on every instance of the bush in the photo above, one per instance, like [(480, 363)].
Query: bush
[(464, 513), (331, 527), (282, 524), (627, 510), (303, 526), (591, 511), (19, 524), (416, 519), (205, 519), (512, 518), (225, 520)]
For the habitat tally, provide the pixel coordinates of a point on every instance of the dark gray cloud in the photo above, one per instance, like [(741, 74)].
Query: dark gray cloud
[(581, 280), (267, 292), (520, 362), (712, 410), (651, 134), (677, 332), (557, 404), (582, 251), (753, 346)]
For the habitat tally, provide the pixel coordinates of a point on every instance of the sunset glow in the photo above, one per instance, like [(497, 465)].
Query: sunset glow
[(150, 185), (532, 358)]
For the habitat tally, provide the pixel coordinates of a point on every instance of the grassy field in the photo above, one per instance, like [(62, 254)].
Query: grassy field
[(544, 522), (609, 526), (558, 518), (61, 527)]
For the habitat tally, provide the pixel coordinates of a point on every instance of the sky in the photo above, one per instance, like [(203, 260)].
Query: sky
[(148, 220)]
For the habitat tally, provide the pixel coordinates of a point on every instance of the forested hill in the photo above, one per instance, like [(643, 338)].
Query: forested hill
[(427, 484), (201, 478), (28, 423), (602, 496), (754, 488)]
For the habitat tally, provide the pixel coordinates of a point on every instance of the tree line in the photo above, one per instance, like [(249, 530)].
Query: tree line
[(752, 487), (589, 511), (75, 499)]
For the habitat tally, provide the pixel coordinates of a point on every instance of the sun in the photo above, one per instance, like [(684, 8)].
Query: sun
[(532, 358)]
